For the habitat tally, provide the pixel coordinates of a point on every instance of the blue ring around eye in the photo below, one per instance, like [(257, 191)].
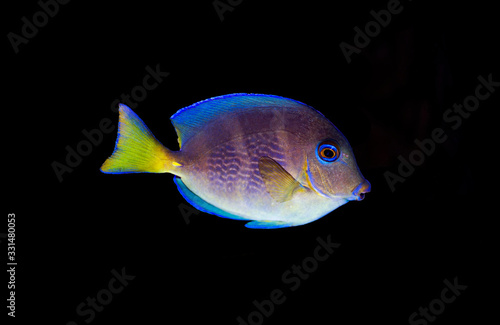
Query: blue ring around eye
[(325, 150)]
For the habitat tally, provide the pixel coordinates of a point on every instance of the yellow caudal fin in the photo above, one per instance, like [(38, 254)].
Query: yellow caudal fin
[(136, 148)]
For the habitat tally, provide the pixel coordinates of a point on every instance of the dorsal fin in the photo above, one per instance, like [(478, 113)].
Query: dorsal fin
[(189, 120)]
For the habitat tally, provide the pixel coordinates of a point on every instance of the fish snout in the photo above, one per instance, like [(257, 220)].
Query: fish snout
[(359, 191)]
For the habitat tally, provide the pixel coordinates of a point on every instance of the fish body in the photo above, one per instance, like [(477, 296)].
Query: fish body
[(273, 161)]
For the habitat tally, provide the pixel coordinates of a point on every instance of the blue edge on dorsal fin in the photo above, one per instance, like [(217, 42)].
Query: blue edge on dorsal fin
[(189, 120)]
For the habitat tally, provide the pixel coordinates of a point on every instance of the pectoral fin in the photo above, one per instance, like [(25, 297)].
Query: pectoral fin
[(279, 183)]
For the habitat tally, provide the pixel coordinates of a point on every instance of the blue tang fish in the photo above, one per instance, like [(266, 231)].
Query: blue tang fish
[(270, 160)]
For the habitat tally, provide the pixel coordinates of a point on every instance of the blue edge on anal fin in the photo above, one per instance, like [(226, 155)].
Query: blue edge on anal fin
[(201, 204), (206, 207), (262, 224)]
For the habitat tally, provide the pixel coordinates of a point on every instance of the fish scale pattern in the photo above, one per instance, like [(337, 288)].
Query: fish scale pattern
[(234, 166)]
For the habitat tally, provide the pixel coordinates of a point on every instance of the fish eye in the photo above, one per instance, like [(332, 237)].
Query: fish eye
[(328, 151)]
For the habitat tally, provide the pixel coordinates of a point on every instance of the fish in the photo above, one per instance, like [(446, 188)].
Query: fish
[(272, 161)]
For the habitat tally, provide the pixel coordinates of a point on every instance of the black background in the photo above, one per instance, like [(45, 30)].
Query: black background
[(396, 247)]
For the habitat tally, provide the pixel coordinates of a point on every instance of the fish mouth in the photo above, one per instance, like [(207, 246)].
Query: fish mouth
[(359, 191)]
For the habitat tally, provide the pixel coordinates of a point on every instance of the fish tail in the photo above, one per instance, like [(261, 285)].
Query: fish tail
[(136, 148)]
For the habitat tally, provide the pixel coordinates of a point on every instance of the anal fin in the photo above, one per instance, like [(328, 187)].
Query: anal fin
[(268, 224), (201, 204)]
